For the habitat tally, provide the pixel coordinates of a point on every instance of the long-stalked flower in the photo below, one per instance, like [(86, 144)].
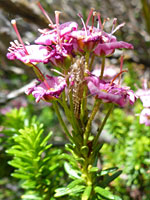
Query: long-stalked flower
[(109, 41), (94, 39), (48, 89), (108, 47), (109, 91), (145, 116), (50, 37), (87, 38), (28, 53), (59, 40)]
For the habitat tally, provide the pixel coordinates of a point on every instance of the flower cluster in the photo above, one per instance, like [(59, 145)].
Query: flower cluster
[(60, 45), (144, 95)]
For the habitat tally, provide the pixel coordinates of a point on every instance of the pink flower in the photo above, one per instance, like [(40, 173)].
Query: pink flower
[(110, 92), (145, 117), (85, 40), (28, 53), (108, 47), (61, 56), (144, 95), (49, 89), (51, 36)]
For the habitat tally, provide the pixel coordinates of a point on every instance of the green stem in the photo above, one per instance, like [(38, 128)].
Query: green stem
[(102, 67), (87, 56), (70, 113), (84, 99), (102, 126), (77, 133), (91, 63), (88, 126), (61, 120)]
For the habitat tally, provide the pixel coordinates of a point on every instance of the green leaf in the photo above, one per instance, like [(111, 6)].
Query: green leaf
[(109, 170), (21, 176), (28, 184), (84, 150), (103, 192), (93, 169), (73, 173), (31, 196), (108, 179), (66, 191), (61, 192), (87, 192), (44, 142), (75, 183)]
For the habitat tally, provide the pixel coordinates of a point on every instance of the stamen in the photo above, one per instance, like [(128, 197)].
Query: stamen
[(113, 26), (58, 72), (16, 42), (45, 13), (118, 27), (57, 13), (27, 43), (11, 51), (13, 44), (105, 20), (99, 21), (13, 22), (83, 23), (89, 16), (94, 14), (117, 76)]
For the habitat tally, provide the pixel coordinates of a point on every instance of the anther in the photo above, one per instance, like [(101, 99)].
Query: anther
[(118, 27), (81, 17), (105, 20), (99, 24)]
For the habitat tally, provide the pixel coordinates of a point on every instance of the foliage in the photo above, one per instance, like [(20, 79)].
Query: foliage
[(78, 189), (38, 165), (130, 152)]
